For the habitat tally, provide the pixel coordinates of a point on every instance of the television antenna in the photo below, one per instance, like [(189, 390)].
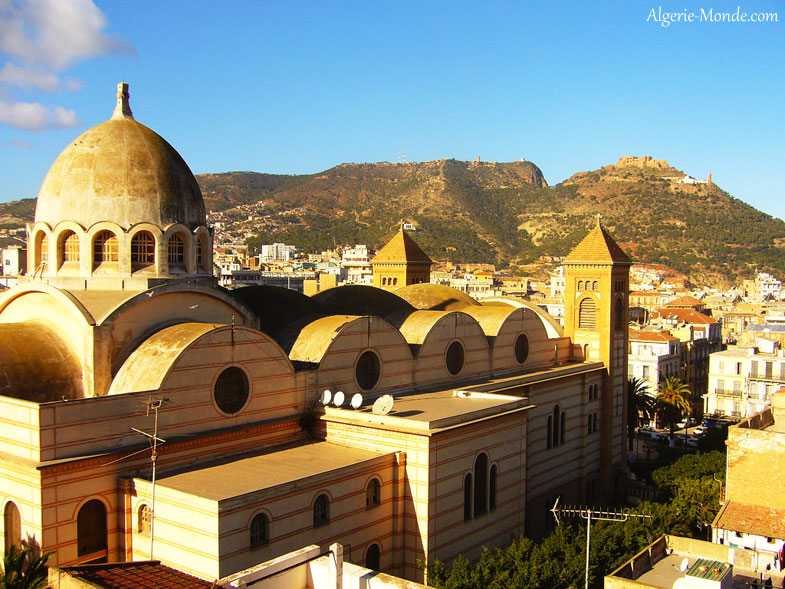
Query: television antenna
[(587, 513), (338, 398), (383, 405), (357, 401), (154, 440), (326, 397)]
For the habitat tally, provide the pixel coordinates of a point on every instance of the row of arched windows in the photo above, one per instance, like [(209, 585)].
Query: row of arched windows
[(479, 489), (588, 285), (105, 249), (389, 281), (556, 429), (594, 392)]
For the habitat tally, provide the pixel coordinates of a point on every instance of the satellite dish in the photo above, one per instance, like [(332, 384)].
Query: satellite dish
[(685, 564), (338, 399), (383, 405), (357, 401), (326, 397)]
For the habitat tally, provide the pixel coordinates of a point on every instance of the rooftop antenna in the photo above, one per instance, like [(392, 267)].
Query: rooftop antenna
[(587, 513), (154, 440)]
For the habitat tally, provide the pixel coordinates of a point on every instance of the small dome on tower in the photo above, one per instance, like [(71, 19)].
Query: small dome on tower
[(120, 171)]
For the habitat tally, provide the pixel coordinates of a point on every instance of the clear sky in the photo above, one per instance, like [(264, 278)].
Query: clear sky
[(298, 87)]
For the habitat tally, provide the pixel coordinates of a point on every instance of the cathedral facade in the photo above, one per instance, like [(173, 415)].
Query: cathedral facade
[(146, 414)]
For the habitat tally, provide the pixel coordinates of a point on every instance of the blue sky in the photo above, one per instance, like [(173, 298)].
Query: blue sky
[(298, 87)]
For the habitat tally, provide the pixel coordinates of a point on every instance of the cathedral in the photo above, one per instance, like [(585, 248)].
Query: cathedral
[(147, 414)]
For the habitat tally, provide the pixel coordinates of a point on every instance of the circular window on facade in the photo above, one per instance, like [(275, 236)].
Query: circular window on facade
[(521, 348), (455, 358), (231, 390), (368, 370)]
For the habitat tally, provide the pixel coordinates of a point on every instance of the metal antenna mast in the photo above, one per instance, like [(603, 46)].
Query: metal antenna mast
[(588, 514), (154, 441)]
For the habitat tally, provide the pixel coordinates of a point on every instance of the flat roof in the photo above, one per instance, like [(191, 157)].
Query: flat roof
[(237, 476), (424, 412)]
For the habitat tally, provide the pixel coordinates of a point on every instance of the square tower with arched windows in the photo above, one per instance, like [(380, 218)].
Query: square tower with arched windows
[(596, 311)]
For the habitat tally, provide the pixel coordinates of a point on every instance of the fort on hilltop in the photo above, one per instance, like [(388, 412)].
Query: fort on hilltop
[(645, 161)]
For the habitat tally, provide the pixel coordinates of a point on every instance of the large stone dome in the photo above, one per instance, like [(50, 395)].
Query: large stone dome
[(120, 171)]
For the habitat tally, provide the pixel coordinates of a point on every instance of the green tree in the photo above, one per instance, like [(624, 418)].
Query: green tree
[(672, 401), (24, 568), (639, 404)]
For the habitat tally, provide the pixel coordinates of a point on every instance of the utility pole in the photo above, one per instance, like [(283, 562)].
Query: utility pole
[(588, 514)]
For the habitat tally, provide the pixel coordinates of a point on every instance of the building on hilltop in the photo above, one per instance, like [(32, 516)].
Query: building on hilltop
[(484, 413), (645, 161)]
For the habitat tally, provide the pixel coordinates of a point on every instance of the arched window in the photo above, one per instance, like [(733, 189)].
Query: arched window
[(321, 511), (91, 528), (492, 488), (467, 497), (231, 390), (143, 520), (373, 493), (372, 557), (395, 281), (555, 437), (104, 247), (69, 246), (563, 427), (202, 251), (455, 358), (580, 285), (481, 485), (384, 281), (176, 250), (595, 285), (549, 433), (587, 314), (142, 250), (259, 531), (618, 315), (595, 421), (41, 248), (12, 525)]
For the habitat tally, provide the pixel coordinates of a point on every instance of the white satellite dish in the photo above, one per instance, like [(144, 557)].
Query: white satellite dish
[(357, 401), (383, 405), (326, 397), (338, 398), (685, 564)]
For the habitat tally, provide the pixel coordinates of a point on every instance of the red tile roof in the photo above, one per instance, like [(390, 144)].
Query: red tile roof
[(685, 301), (751, 519), (597, 246), (149, 574), (685, 315), (650, 336)]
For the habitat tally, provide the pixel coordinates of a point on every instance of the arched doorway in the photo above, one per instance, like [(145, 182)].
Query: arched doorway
[(91, 529)]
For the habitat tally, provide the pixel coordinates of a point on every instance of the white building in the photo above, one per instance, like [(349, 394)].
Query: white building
[(742, 380), (14, 260), (356, 265), (653, 357), (278, 251)]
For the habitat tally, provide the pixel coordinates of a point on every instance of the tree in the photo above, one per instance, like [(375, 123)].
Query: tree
[(672, 401), (639, 404), (24, 568)]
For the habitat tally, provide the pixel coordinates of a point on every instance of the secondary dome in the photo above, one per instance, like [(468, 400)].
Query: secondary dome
[(123, 172)]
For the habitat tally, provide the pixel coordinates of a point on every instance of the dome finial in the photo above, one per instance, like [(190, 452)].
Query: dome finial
[(123, 109), (599, 220)]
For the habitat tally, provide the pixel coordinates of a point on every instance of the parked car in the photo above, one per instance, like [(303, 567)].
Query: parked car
[(684, 423), (693, 442), (699, 431), (659, 437)]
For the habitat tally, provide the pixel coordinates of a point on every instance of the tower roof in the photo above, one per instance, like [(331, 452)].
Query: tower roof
[(120, 171), (401, 248), (597, 246)]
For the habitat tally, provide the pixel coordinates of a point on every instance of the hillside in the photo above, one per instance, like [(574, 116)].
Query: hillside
[(499, 212)]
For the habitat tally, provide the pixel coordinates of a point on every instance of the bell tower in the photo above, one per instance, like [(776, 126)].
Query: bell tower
[(596, 313), (400, 263)]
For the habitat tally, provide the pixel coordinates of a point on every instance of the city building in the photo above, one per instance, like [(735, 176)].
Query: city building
[(277, 252), (743, 379), (148, 415), (653, 357), (752, 515)]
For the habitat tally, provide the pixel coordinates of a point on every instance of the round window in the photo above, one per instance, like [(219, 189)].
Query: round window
[(368, 370), (521, 348), (231, 390), (455, 357)]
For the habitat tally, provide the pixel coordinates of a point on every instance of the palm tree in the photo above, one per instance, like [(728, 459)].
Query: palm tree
[(672, 401), (24, 568), (639, 404)]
